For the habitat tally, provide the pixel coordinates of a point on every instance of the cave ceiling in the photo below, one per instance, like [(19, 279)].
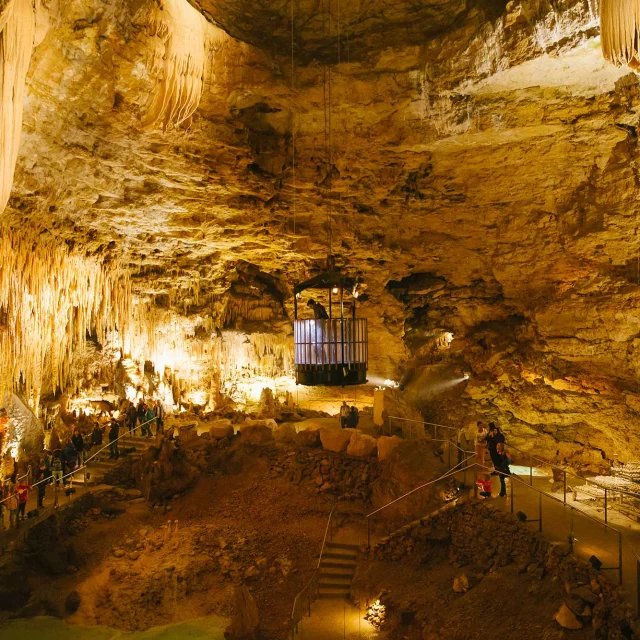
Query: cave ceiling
[(484, 145)]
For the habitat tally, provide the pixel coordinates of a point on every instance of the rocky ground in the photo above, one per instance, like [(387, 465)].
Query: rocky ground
[(134, 565)]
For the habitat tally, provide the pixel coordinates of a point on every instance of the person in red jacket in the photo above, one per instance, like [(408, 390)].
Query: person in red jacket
[(23, 495)]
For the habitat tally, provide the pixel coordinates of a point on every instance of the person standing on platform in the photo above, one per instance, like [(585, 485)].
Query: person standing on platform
[(141, 412), (353, 418), (12, 502), (114, 432), (502, 467), (42, 482), (493, 439), (96, 438), (78, 443), (149, 417), (480, 442), (159, 411), (132, 416), (56, 467), (23, 495), (344, 414)]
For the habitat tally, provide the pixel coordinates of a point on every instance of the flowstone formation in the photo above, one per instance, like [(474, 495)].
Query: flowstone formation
[(476, 164)]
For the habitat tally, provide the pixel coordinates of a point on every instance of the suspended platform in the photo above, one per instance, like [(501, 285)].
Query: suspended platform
[(331, 350)]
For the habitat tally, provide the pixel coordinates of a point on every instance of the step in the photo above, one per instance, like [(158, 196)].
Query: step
[(340, 556), (339, 545), (333, 595), (334, 585), (334, 573), (337, 565)]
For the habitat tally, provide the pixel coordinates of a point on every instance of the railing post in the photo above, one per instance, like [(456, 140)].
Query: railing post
[(637, 586), (435, 432), (540, 513), (564, 491), (620, 554), (449, 447), (511, 493), (465, 468), (605, 505), (530, 471), (368, 533)]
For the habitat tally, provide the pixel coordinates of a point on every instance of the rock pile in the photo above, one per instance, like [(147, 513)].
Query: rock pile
[(487, 539), (327, 471)]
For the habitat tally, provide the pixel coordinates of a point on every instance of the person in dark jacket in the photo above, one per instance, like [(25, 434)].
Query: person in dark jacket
[(114, 432), (353, 418), (78, 443), (132, 416), (494, 437), (42, 485), (69, 459), (142, 410), (319, 312), (502, 467)]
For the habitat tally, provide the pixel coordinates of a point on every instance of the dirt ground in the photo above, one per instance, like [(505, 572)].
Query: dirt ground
[(504, 604), (235, 527)]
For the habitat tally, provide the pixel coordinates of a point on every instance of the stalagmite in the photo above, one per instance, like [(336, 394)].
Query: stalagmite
[(17, 30), (178, 61), (620, 31)]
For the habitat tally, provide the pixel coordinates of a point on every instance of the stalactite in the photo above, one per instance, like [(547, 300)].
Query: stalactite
[(49, 299), (17, 30), (179, 59), (620, 31)]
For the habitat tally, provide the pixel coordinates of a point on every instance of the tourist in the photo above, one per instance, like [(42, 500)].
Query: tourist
[(56, 467), (319, 312), (12, 502), (353, 418), (23, 495), (78, 443), (485, 485), (494, 437), (148, 418), (480, 442), (159, 411), (96, 438), (69, 460), (132, 416), (502, 462), (42, 485), (114, 432), (142, 411), (344, 414)]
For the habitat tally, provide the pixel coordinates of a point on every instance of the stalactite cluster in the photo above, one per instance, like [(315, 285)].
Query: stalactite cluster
[(182, 40), (620, 31), (50, 299), (17, 31)]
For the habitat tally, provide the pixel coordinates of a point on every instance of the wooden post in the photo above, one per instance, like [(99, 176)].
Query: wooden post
[(605, 505)]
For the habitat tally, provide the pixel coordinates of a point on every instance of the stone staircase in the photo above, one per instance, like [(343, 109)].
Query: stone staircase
[(98, 467), (337, 568)]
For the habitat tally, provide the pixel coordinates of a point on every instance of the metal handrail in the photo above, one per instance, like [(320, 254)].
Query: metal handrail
[(312, 579), (86, 462), (449, 473), (546, 463)]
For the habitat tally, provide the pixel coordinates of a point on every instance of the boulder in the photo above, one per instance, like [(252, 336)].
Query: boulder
[(285, 433), (335, 439), (270, 423), (221, 429), (244, 622), (188, 432), (362, 445), (256, 434), (386, 445), (461, 584), (567, 619), (308, 438)]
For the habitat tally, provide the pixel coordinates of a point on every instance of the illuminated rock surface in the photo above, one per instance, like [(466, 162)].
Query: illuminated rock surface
[(483, 179)]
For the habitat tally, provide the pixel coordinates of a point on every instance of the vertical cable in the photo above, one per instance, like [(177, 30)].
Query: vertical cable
[(293, 117)]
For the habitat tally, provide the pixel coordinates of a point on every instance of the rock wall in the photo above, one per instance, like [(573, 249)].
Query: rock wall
[(484, 539)]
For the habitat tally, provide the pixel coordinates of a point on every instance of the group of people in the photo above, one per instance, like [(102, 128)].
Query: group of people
[(145, 415), (13, 500), (349, 416), (492, 439)]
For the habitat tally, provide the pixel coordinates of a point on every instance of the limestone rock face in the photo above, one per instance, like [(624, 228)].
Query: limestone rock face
[(362, 445), (481, 178)]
